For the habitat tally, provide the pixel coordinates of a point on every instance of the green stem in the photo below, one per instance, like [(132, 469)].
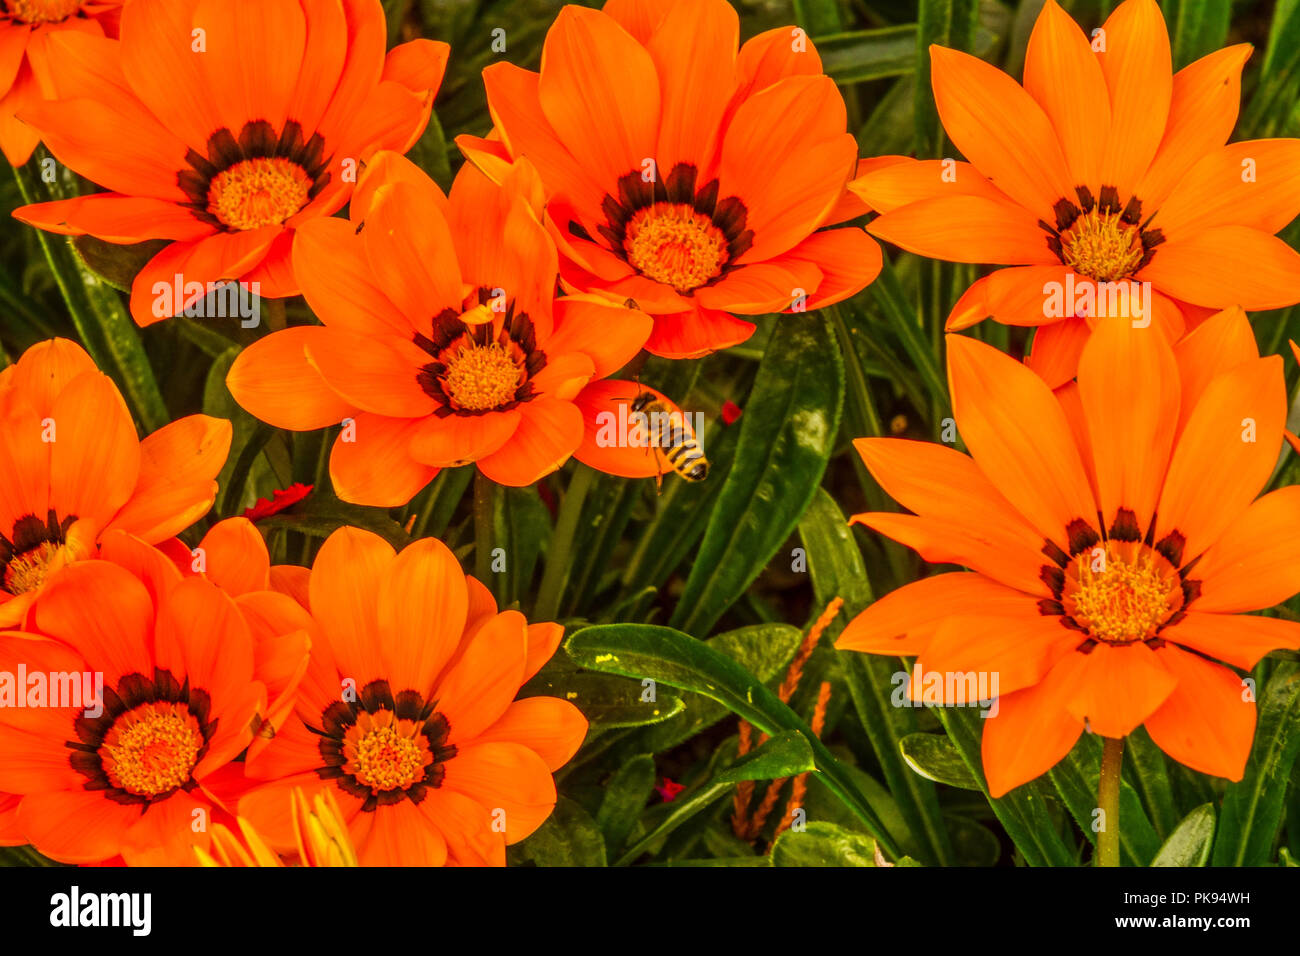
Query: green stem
[(484, 489), (559, 557), (1112, 757)]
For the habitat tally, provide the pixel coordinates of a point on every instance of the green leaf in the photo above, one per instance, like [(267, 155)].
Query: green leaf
[(818, 17), (936, 758), (1145, 762), (786, 754), (607, 702), (103, 324), (569, 837), (625, 798), (836, 567), (950, 23), (1279, 76), (1076, 778), (868, 54), (1198, 27), (786, 436), (1252, 808), (680, 661), (1189, 844), (823, 844)]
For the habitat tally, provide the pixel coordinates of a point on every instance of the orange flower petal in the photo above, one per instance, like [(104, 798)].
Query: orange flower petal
[(1128, 384), (1253, 566), (1224, 455), (548, 434), (1030, 735), (1001, 129), (1114, 688), (1222, 266), (1202, 113), (273, 381), (423, 608), (967, 229), (377, 468), (1207, 722), (1063, 74), (505, 776), (1139, 73), (480, 686), (1019, 436), (904, 621)]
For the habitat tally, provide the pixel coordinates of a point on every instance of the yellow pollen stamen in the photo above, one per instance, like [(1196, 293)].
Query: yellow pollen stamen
[(43, 11), (1122, 592), (673, 244), (258, 192), (27, 571), (1101, 246), (152, 749), (482, 377), (385, 753)]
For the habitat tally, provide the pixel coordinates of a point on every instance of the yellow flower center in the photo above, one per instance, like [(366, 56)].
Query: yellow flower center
[(1121, 592), (258, 192), (673, 244), (482, 377), (43, 11), (384, 752), (1101, 246), (152, 749), (27, 571)]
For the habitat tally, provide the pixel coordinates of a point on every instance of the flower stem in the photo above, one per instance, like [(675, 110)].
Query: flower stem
[(559, 559), (484, 532), (1112, 757)]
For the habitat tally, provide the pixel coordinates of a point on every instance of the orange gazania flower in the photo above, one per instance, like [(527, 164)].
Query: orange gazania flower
[(26, 76), (181, 692), (223, 125), (407, 713), (443, 340), (691, 178), (72, 468), (1102, 168), (1113, 537)]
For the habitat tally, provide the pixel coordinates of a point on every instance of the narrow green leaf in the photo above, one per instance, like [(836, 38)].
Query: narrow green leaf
[(1252, 808), (950, 23), (868, 54), (1197, 27), (1189, 844), (836, 567), (786, 436), (103, 324)]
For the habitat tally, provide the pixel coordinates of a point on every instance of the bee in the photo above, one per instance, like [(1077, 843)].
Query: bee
[(671, 435)]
